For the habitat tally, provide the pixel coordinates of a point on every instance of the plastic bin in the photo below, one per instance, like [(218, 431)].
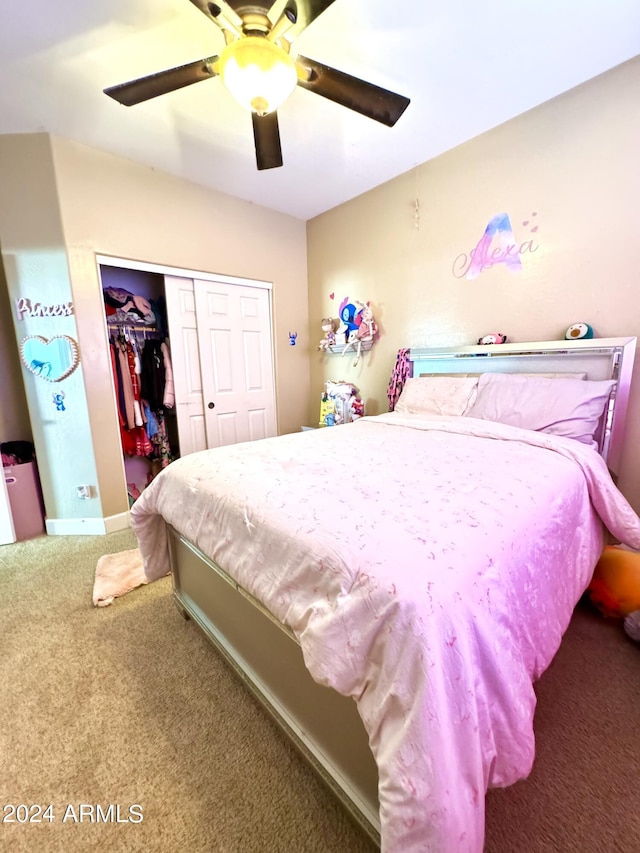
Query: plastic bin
[(25, 499)]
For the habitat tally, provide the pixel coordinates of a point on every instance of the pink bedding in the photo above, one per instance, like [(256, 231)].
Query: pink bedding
[(428, 569)]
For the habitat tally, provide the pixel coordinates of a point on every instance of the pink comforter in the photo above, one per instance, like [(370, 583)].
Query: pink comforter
[(428, 569)]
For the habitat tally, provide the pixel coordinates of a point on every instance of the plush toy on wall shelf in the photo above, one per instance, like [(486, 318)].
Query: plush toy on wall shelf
[(355, 330), (492, 338), (328, 326), (367, 329), (578, 331)]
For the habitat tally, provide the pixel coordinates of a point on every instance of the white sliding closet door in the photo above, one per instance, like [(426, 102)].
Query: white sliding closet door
[(185, 358), (234, 334), (221, 347)]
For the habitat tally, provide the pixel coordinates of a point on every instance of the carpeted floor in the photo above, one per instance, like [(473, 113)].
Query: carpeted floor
[(128, 704)]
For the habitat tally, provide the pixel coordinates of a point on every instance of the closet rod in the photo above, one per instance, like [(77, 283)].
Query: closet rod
[(134, 327)]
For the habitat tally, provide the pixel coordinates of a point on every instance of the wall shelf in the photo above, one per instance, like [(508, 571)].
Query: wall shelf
[(338, 349)]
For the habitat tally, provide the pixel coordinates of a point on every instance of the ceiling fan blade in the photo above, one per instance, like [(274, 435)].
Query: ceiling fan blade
[(266, 135), (355, 94), (145, 88), (222, 14)]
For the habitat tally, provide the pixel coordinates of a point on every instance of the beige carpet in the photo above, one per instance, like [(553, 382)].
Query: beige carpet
[(117, 574), (130, 704)]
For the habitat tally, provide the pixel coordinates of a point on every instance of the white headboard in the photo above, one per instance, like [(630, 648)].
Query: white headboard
[(599, 358)]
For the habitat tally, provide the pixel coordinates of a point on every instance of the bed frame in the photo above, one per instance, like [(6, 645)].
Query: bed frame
[(324, 725)]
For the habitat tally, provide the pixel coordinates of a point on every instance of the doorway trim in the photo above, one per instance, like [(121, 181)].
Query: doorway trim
[(183, 272)]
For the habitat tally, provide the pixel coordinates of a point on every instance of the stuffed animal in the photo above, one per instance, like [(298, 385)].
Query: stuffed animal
[(367, 328), (342, 333), (615, 586), (337, 400), (328, 326), (357, 408), (578, 331), (348, 315), (350, 341), (492, 338), (632, 625)]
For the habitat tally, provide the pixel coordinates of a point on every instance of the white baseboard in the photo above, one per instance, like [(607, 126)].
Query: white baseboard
[(87, 526), (113, 523)]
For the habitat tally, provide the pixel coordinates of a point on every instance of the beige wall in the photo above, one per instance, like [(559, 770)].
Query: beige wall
[(36, 268), (115, 207), (573, 162), (101, 204)]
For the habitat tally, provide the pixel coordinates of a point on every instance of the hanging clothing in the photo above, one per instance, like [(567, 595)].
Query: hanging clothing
[(152, 378), (169, 397), (160, 442), (117, 382), (127, 387), (133, 362), (142, 375), (125, 364), (135, 442), (152, 423), (401, 372)]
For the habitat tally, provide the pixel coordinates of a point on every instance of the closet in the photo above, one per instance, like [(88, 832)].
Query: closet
[(222, 345), (201, 349), (141, 371)]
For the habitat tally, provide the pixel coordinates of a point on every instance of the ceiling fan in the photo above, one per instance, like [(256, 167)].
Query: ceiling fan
[(258, 69)]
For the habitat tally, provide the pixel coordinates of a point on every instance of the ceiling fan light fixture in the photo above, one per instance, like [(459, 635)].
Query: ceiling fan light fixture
[(259, 74)]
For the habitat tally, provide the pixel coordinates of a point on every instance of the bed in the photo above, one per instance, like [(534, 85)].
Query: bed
[(422, 564)]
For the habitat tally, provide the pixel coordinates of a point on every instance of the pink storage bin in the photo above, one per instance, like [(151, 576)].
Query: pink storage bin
[(25, 498)]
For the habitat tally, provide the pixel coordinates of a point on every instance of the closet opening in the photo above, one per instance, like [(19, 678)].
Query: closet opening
[(142, 372), (213, 335)]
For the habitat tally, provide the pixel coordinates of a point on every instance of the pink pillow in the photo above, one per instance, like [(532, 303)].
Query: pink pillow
[(436, 395), (568, 407)]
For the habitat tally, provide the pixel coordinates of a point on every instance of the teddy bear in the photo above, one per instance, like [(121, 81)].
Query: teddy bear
[(328, 326)]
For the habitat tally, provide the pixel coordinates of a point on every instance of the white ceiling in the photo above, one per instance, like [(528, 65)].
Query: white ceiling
[(467, 66)]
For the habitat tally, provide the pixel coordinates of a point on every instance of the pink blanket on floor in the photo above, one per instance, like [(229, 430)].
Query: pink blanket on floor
[(428, 569)]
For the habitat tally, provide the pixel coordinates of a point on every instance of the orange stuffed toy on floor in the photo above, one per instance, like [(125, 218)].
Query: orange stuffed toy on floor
[(615, 586)]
